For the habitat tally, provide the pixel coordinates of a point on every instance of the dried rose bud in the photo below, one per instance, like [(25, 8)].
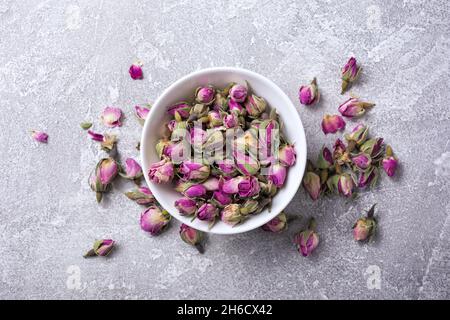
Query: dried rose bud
[(231, 214), (309, 94), (101, 248), (332, 123), (199, 112), (368, 177), (277, 224), (171, 125), (162, 147), (245, 187), (154, 220), (39, 136), (255, 106), (194, 171), (212, 184), (250, 206), (345, 185), (198, 137), (287, 155), (207, 212), (86, 125), (186, 206), (183, 109), (268, 189), (111, 117), (221, 199), (141, 113), (231, 120), (205, 95), (350, 73), (214, 119), (246, 164), (325, 159), (362, 161), (365, 227), (141, 195), (227, 168), (109, 142), (136, 71), (372, 147), (192, 236), (312, 184), (354, 107), (238, 93), (132, 170), (220, 102), (389, 162), (192, 190), (268, 135), (214, 141), (358, 134), (101, 177), (307, 240), (277, 174), (162, 171), (236, 108)]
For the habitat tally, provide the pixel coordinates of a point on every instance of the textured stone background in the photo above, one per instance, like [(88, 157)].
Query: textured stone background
[(61, 62)]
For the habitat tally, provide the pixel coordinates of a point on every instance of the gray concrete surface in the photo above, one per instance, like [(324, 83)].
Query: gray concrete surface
[(62, 62)]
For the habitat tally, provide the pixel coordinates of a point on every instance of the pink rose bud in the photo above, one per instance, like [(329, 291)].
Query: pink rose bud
[(214, 119), (227, 168), (132, 170), (332, 124), (39, 136), (389, 162), (136, 71), (181, 108), (236, 108), (354, 107), (212, 184), (102, 176), (231, 120), (246, 187), (207, 212), (368, 178), (350, 73), (171, 125), (362, 161), (154, 220), (192, 236), (141, 113), (365, 227), (277, 174), (111, 117), (358, 134), (141, 195), (221, 199), (277, 224), (311, 183), (287, 155), (101, 248), (198, 137), (238, 93), (231, 214), (186, 206), (309, 94), (325, 159), (372, 147), (162, 171), (345, 185), (194, 191), (246, 164), (205, 95), (307, 240), (255, 106), (194, 171)]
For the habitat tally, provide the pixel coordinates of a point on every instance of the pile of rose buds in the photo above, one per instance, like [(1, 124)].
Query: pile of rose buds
[(224, 153), (353, 164)]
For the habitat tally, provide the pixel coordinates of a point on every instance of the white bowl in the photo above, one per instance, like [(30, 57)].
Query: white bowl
[(220, 77)]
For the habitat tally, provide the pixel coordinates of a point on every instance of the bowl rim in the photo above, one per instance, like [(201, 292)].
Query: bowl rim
[(241, 71)]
